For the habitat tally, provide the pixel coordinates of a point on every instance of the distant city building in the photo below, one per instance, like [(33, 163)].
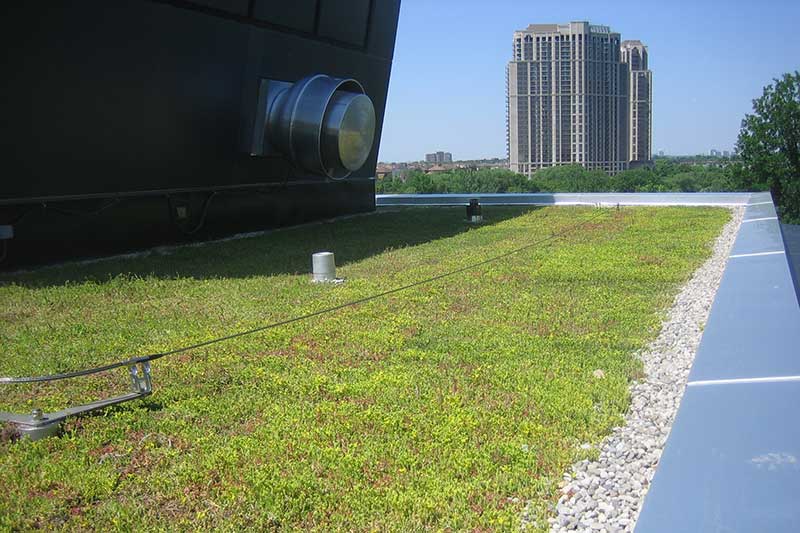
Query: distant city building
[(569, 99), (438, 158), (382, 171), (661, 153), (392, 170), (640, 101), (726, 153), (400, 173), (715, 153), (436, 169)]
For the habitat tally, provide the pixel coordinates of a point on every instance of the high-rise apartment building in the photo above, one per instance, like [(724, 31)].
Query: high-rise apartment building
[(640, 102), (569, 99), (439, 158)]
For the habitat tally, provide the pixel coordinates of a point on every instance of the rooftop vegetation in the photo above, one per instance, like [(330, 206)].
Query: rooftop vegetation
[(447, 405)]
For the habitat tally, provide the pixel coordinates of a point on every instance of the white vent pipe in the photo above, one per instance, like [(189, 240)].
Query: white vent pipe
[(323, 267)]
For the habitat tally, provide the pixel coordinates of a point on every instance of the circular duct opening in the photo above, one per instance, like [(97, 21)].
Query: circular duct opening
[(324, 125)]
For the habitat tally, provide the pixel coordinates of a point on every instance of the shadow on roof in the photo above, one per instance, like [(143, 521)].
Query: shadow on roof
[(279, 252)]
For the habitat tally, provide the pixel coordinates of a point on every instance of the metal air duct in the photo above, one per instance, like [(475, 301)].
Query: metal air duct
[(324, 125)]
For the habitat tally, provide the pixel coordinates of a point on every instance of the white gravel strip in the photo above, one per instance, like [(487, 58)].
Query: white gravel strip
[(607, 494)]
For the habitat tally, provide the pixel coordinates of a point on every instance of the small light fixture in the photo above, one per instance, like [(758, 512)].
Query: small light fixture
[(474, 212)]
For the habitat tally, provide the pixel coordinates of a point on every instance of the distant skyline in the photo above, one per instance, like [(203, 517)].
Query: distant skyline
[(709, 60)]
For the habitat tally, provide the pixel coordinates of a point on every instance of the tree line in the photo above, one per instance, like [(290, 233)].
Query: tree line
[(663, 176)]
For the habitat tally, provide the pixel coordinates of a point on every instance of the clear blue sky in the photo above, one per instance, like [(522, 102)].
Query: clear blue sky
[(709, 60)]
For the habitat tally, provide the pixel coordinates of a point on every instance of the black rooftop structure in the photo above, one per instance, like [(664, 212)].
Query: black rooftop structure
[(134, 122)]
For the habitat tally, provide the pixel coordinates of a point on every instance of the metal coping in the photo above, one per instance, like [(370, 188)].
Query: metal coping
[(732, 459), (726, 199)]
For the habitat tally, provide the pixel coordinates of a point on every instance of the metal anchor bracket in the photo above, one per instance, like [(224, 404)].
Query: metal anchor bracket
[(38, 424), (140, 381)]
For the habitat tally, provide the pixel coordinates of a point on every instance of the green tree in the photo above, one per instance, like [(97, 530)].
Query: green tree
[(664, 176), (636, 180), (769, 142), (485, 180), (572, 178)]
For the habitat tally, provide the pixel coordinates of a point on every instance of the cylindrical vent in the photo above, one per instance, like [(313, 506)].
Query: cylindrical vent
[(323, 267), (474, 211), (323, 124)]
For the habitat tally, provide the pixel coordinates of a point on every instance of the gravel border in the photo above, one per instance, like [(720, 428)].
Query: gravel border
[(607, 494)]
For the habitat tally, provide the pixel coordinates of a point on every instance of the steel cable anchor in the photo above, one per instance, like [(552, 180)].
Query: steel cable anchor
[(38, 424)]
